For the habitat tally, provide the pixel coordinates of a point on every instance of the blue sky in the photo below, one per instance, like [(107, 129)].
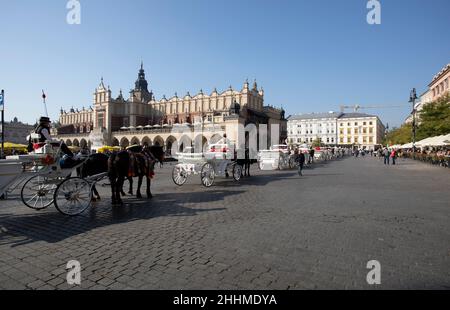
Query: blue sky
[(310, 56)]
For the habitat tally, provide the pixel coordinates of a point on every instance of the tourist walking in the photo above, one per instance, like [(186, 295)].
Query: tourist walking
[(393, 156), (311, 156), (300, 161), (386, 156)]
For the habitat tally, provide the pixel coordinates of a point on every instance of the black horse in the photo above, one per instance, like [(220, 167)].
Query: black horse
[(138, 162), (246, 163), (94, 165)]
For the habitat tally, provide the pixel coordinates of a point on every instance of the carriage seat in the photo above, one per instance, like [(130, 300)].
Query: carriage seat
[(68, 162)]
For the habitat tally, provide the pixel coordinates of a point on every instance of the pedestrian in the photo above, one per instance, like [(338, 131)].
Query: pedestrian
[(300, 160), (393, 156), (311, 156), (386, 156)]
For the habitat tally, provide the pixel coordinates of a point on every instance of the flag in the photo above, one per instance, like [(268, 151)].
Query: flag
[(2, 100)]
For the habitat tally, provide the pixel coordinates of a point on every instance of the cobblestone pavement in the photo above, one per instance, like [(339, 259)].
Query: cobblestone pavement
[(273, 231)]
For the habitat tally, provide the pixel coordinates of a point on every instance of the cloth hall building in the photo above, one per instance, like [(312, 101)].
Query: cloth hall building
[(142, 119)]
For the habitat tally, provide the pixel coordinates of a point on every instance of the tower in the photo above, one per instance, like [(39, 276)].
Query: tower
[(140, 92)]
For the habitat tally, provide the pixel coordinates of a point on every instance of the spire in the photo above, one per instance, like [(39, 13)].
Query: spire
[(141, 84), (102, 85), (255, 85), (246, 85)]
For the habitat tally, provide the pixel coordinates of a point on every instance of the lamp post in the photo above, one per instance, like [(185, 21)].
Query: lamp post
[(412, 99)]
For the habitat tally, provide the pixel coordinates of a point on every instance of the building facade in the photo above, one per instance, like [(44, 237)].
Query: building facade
[(360, 130), (16, 131), (439, 86), (307, 128), (336, 129), (142, 118)]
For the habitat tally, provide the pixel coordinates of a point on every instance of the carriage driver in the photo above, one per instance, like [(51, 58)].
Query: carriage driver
[(44, 135)]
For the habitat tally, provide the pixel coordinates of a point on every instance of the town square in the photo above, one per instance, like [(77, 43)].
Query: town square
[(181, 153)]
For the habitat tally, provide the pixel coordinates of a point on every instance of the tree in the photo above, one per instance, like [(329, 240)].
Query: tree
[(317, 142), (400, 135), (435, 118)]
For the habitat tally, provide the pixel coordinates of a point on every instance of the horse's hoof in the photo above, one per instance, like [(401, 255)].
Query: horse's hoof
[(139, 196), (130, 193), (123, 194), (149, 196), (99, 198)]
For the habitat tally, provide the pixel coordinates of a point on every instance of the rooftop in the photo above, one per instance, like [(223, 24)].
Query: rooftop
[(315, 116), (356, 115)]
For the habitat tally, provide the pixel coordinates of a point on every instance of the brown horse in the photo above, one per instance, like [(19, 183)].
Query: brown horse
[(138, 162)]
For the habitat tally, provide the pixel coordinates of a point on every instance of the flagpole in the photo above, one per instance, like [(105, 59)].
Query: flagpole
[(3, 123), (45, 104)]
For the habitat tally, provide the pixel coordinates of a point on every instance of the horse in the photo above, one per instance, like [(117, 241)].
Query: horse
[(140, 162), (246, 163), (95, 164)]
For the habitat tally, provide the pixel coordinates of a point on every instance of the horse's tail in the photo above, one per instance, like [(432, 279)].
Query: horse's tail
[(112, 167)]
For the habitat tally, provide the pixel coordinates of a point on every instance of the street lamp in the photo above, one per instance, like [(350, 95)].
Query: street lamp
[(412, 99)]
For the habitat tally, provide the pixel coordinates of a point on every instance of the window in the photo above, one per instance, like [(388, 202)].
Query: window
[(342, 124), (356, 130), (370, 139), (364, 130), (370, 130), (349, 131), (364, 123), (348, 124), (341, 131), (356, 124), (342, 140), (370, 123)]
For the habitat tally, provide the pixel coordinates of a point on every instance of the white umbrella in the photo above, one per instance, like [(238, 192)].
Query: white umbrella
[(166, 125), (140, 127), (123, 128), (149, 126), (157, 126), (407, 146)]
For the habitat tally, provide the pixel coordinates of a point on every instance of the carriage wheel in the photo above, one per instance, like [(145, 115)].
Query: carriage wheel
[(73, 196), (237, 172), (207, 175), (179, 176), (37, 193)]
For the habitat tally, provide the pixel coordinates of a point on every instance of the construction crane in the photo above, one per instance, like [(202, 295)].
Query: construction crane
[(357, 107)]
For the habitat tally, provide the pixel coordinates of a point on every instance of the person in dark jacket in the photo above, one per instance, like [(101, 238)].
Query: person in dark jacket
[(300, 160)]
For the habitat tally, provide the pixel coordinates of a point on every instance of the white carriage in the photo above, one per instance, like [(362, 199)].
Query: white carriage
[(278, 157), (43, 182), (217, 161)]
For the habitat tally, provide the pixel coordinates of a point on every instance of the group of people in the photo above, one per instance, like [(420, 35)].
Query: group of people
[(389, 155)]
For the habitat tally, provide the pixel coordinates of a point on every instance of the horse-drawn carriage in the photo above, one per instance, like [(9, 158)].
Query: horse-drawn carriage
[(44, 178), (217, 161), (278, 157)]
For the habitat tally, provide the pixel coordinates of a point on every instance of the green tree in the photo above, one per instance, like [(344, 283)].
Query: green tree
[(435, 118), (317, 142), (400, 135)]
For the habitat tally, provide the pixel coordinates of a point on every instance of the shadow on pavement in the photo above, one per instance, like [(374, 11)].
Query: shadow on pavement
[(51, 226)]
